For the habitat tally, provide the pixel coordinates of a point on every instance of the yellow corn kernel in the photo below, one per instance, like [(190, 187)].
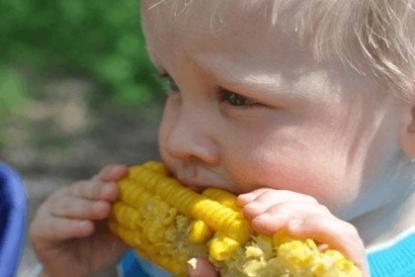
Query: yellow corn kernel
[(200, 232), (222, 247), (192, 204), (168, 223), (227, 199)]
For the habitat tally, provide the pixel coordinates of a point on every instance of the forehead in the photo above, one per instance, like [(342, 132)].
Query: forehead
[(241, 27)]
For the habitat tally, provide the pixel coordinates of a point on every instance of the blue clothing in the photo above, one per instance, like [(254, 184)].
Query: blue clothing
[(395, 260), (133, 265), (12, 220)]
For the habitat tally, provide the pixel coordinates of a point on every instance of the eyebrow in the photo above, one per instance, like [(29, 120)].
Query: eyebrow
[(270, 85)]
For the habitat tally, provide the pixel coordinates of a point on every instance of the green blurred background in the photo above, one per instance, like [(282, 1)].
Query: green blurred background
[(77, 91)]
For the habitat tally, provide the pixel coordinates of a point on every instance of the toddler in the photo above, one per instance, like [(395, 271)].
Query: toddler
[(305, 109)]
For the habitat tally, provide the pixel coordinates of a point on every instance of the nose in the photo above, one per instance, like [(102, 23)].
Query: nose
[(191, 138)]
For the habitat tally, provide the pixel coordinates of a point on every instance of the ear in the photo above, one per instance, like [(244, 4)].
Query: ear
[(407, 138)]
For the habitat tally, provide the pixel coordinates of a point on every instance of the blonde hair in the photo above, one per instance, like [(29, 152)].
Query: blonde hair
[(380, 32), (373, 36)]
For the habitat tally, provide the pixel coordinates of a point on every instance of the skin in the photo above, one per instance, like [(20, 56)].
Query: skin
[(68, 232), (252, 112)]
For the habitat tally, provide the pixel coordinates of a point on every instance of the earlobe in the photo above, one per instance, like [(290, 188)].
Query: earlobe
[(407, 138)]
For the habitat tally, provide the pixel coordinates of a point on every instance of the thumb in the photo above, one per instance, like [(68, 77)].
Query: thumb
[(201, 267)]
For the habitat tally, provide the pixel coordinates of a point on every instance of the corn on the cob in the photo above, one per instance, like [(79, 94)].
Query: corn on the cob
[(169, 224)]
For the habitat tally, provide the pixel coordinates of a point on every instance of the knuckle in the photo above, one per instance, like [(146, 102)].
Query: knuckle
[(351, 230), (250, 210), (311, 199), (65, 207), (282, 209), (324, 209), (263, 190), (88, 209), (295, 223), (267, 192), (319, 221), (54, 199), (83, 188), (75, 188)]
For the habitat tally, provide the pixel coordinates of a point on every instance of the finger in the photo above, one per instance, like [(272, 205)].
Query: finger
[(278, 216), (314, 223), (79, 208), (327, 229), (245, 198), (337, 234), (95, 190), (268, 224), (265, 193), (55, 229), (201, 267), (112, 173), (269, 198)]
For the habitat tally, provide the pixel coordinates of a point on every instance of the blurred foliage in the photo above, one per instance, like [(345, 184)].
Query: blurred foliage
[(12, 92), (100, 41)]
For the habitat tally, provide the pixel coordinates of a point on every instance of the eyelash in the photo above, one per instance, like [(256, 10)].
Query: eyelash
[(172, 86), (235, 99), (232, 98)]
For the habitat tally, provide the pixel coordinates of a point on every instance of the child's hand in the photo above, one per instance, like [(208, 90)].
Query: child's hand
[(301, 217), (68, 232)]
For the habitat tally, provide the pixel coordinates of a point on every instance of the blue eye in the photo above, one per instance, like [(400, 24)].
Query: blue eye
[(235, 99)]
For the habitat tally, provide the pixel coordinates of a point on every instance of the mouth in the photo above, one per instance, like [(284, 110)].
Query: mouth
[(196, 181), (193, 184)]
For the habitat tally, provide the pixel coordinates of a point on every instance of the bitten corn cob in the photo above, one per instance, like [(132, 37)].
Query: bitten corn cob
[(169, 224)]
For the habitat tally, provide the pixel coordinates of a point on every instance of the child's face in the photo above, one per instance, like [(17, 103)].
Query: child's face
[(253, 109)]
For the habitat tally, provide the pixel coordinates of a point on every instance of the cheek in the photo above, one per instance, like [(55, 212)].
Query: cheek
[(299, 167)]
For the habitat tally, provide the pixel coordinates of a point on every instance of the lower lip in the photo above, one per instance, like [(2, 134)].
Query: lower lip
[(192, 184)]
